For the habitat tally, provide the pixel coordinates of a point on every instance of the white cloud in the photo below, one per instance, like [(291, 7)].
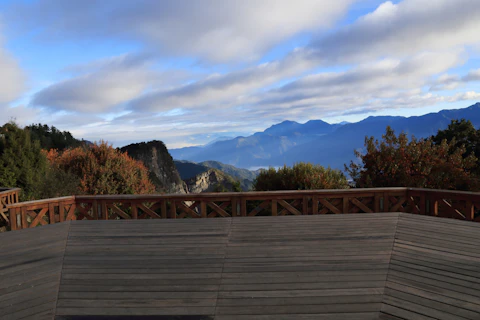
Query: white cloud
[(450, 82), (20, 114), (12, 79), (359, 86), (473, 75), (399, 30), (221, 31), (223, 90), (387, 58), (112, 82)]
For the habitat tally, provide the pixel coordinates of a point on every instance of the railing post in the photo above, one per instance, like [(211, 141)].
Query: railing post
[(305, 205), (61, 211), (164, 209), (469, 211), (376, 204), (274, 207), (51, 213), (386, 202), (243, 207), (24, 218), (95, 209), (235, 207), (346, 204), (134, 210), (315, 205), (13, 218), (104, 210)]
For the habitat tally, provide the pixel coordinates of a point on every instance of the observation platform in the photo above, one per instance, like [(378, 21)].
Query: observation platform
[(334, 266)]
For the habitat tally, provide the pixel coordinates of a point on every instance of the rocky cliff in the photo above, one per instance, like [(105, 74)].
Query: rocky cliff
[(188, 170), (212, 180), (157, 159)]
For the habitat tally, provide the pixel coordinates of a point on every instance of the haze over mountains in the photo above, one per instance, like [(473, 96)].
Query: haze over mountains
[(317, 141)]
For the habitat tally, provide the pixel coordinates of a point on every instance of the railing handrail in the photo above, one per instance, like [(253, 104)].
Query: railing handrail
[(237, 194), (9, 190), (41, 201), (446, 203), (445, 191)]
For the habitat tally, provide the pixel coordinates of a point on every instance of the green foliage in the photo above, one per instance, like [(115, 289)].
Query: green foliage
[(461, 133), (52, 138), (230, 185), (236, 186), (58, 183), (302, 176), (22, 164), (397, 162)]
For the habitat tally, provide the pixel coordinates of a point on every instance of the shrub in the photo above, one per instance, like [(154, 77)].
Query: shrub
[(103, 169), (302, 176), (397, 162)]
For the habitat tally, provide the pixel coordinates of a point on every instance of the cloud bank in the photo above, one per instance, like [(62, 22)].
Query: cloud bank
[(250, 63)]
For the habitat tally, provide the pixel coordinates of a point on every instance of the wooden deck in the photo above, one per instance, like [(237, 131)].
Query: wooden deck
[(364, 266)]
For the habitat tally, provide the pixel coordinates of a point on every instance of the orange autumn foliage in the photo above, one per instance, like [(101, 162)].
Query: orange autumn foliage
[(103, 169)]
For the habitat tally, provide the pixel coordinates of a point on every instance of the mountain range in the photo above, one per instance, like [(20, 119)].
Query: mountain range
[(317, 141)]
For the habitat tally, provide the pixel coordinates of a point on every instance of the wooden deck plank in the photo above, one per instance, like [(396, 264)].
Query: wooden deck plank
[(365, 266), (297, 316), (419, 309), (457, 300), (441, 306)]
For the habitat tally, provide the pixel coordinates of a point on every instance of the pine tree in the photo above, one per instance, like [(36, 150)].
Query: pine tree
[(22, 164)]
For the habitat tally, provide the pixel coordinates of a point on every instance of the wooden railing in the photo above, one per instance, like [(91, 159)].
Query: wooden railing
[(451, 204), (444, 203), (41, 212), (7, 196)]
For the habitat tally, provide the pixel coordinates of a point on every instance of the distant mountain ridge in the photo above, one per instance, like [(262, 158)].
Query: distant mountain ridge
[(317, 141)]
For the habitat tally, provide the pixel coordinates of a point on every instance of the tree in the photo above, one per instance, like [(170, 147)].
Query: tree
[(22, 164), (461, 133), (302, 176), (397, 162), (52, 138), (103, 169)]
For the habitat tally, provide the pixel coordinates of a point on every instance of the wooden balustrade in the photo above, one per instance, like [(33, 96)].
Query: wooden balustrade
[(7, 196), (41, 212), (445, 203), (442, 203)]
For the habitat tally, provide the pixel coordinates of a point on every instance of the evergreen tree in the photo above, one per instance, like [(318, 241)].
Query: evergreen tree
[(461, 134), (22, 164), (52, 138)]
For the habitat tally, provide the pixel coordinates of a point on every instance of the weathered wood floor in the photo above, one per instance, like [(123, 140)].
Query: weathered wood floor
[(365, 266)]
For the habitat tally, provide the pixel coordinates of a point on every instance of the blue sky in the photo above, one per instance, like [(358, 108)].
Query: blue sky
[(189, 71)]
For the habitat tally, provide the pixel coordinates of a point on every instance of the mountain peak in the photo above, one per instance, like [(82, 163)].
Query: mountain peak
[(282, 127)]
